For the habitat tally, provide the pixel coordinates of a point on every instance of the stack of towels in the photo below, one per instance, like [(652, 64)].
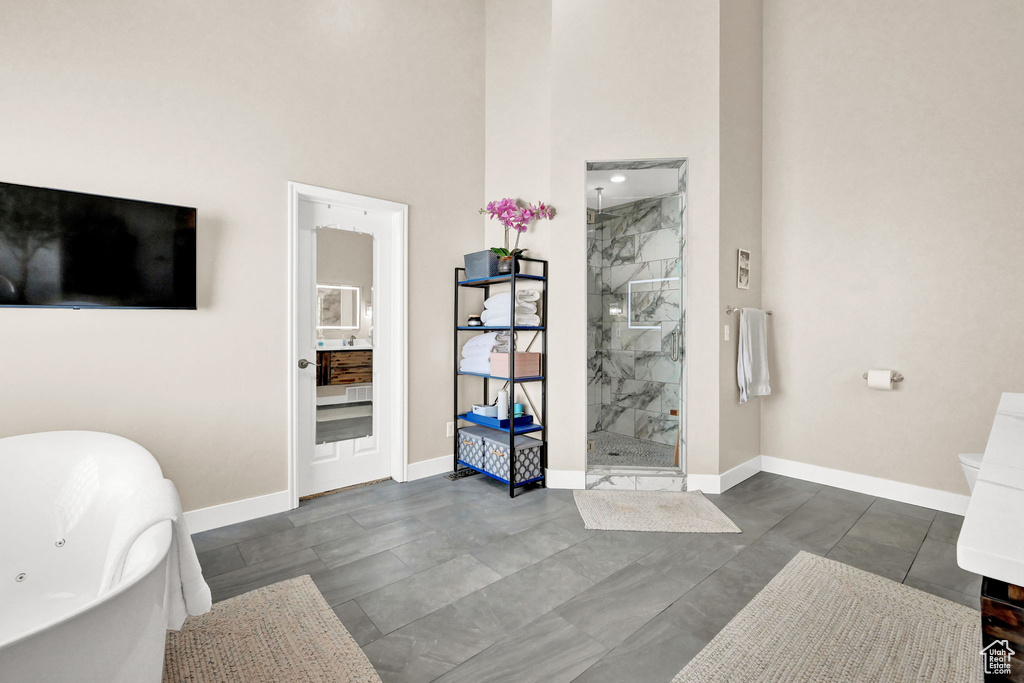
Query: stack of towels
[(496, 309), (476, 353)]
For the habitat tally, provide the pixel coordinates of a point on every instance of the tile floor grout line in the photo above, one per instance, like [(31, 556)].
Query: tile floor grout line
[(921, 545), (859, 517)]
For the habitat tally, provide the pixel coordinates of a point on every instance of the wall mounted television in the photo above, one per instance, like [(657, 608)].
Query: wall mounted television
[(73, 250)]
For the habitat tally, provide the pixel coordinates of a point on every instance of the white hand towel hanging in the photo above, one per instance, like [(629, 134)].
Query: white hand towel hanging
[(752, 358)]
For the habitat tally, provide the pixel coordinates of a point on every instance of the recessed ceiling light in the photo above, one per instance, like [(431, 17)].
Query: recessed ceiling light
[(617, 178)]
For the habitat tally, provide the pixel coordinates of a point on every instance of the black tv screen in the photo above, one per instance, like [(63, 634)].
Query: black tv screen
[(77, 250)]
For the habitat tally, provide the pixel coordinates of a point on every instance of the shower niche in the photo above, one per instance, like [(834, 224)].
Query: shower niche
[(636, 315)]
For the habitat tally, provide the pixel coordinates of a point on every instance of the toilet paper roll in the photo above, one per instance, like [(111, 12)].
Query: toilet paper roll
[(880, 379)]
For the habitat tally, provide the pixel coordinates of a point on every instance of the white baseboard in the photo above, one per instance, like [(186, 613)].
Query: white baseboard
[(946, 501), (934, 499), (718, 483), (428, 468), (565, 479), (216, 516)]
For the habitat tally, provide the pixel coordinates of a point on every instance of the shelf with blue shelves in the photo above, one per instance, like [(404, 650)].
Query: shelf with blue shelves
[(498, 279), (519, 429), (517, 328), (501, 479), (484, 284), (503, 379)]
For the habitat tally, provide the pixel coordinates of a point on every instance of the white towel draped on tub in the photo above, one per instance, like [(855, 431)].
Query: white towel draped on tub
[(752, 359), (187, 592)]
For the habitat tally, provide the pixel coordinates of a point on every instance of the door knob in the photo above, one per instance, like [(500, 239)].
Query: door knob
[(303, 364)]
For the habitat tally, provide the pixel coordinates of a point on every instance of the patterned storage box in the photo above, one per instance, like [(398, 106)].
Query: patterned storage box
[(481, 264), (496, 456), (471, 445)]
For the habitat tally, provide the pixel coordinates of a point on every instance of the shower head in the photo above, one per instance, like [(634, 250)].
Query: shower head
[(599, 216)]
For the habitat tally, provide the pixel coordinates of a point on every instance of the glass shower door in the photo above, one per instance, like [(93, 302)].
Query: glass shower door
[(636, 316)]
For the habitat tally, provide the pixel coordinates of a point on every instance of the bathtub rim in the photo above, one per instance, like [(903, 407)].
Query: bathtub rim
[(162, 530)]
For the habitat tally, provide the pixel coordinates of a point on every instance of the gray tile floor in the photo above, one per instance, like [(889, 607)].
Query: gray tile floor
[(453, 581)]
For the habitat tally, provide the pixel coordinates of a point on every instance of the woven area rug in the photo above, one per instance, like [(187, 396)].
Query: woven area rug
[(820, 620), (284, 632), (678, 511)]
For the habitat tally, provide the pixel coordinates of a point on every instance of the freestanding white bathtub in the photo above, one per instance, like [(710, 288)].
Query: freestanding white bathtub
[(60, 494)]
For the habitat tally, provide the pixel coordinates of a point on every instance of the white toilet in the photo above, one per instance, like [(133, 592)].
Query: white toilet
[(971, 462)]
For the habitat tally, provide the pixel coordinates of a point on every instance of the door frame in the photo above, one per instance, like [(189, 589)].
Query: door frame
[(399, 341)]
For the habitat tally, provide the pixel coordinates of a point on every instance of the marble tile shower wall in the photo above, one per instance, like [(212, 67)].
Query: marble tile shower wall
[(633, 381)]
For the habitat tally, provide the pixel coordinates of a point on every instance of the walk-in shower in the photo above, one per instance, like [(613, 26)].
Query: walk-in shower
[(636, 314)]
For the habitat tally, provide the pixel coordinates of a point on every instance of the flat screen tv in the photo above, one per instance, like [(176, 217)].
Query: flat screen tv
[(74, 250)]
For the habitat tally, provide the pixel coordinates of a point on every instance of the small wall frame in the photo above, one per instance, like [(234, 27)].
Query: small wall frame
[(743, 269)]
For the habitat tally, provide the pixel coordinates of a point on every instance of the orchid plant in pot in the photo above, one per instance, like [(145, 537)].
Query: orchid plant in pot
[(514, 214)]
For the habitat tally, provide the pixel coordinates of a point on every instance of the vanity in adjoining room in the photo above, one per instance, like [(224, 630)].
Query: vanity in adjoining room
[(991, 542), (347, 365)]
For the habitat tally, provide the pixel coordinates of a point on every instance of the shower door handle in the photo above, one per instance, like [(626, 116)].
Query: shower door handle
[(674, 353)]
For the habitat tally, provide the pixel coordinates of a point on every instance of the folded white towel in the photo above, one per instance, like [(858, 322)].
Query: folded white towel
[(478, 351), (752, 359), (484, 341), (489, 314), (498, 302), (525, 295), (187, 591), (521, 320), (480, 365), (481, 339)]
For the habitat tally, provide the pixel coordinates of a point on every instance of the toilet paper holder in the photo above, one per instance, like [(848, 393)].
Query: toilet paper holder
[(896, 377)]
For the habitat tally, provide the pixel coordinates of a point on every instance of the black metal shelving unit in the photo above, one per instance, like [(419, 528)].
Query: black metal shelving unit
[(512, 380)]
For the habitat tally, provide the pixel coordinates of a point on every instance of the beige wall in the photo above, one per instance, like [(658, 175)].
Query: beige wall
[(740, 117), (624, 81), (518, 131), (346, 258), (217, 106), (893, 229)]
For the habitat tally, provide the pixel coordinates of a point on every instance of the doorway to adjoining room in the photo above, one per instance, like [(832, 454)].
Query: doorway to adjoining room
[(348, 340)]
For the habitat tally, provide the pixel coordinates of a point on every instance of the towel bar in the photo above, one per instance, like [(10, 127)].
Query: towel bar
[(729, 310)]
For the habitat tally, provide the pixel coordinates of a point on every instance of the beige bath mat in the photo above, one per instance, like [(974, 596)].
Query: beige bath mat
[(820, 620), (679, 511), (281, 633)]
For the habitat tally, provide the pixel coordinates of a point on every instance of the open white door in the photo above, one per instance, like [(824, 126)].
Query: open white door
[(319, 467)]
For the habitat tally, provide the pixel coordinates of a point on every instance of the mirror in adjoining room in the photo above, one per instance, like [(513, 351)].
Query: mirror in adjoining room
[(636, 314), (337, 307), (344, 330)]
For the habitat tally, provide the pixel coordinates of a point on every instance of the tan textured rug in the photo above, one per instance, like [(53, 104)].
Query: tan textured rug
[(678, 511), (282, 633), (820, 620)]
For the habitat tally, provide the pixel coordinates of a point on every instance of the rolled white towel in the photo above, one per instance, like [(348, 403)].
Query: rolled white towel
[(524, 295)]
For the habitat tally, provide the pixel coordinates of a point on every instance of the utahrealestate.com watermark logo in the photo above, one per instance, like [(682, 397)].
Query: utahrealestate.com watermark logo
[(996, 657)]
